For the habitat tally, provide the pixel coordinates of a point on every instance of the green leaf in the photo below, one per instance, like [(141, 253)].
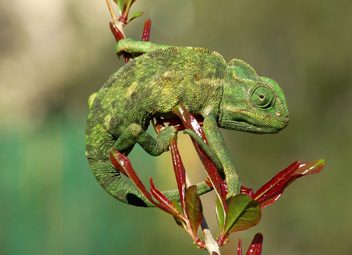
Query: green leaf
[(120, 4), (243, 213), (177, 205), (220, 213), (194, 208), (135, 15)]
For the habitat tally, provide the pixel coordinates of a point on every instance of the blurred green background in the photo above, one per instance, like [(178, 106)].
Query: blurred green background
[(54, 54)]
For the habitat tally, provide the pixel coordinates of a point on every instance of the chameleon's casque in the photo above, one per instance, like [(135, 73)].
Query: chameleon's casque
[(228, 95)]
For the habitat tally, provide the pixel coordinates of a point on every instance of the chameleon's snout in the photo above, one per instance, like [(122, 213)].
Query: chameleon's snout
[(284, 118), (276, 124), (284, 122)]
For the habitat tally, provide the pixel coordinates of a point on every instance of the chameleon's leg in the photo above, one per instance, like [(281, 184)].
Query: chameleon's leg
[(124, 190), (133, 47), (217, 145), (134, 133)]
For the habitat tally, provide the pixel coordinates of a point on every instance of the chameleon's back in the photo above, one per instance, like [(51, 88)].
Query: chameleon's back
[(152, 84)]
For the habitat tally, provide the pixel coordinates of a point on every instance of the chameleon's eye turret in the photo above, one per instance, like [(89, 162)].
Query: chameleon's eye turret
[(263, 97), (250, 102)]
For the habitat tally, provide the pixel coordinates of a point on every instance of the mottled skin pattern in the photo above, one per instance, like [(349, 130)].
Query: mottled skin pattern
[(228, 95)]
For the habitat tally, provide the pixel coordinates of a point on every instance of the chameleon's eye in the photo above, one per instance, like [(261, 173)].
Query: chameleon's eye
[(263, 97)]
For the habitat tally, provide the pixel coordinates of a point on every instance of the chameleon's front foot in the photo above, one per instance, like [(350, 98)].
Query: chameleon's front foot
[(136, 48), (233, 184), (134, 133)]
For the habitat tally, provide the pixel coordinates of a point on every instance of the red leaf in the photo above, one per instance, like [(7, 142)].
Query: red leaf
[(180, 172), (125, 164), (162, 199), (194, 210), (146, 30), (157, 194), (256, 246), (116, 31), (190, 122), (116, 164), (273, 189), (247, 191)]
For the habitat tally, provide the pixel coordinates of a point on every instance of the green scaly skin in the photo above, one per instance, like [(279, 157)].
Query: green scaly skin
[(227, 95)]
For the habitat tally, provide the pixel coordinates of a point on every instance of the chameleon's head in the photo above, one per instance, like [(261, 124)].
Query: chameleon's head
[(251, 103)]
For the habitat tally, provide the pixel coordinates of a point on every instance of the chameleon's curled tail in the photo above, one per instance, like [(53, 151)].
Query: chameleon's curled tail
[(120, 187)]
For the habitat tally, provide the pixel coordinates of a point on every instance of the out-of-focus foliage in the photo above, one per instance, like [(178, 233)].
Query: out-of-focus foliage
[(54, 54)]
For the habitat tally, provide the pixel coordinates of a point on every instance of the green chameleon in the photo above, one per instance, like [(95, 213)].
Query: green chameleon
[(227, 95)]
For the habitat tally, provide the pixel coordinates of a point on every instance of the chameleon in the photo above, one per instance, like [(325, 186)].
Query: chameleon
[(229, 95)]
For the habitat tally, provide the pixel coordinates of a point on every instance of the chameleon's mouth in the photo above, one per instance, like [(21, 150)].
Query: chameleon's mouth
[(255, 123), (242, 125)]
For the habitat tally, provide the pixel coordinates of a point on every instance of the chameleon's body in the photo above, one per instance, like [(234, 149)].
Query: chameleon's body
[(224, 94)]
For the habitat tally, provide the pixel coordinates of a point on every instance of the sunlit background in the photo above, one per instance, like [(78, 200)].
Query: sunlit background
[(53, 54)]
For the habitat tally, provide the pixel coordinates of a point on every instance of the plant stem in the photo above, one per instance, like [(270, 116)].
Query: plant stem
[(210, 244)]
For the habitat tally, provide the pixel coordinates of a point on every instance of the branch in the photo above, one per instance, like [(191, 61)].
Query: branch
[(210, 244)]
